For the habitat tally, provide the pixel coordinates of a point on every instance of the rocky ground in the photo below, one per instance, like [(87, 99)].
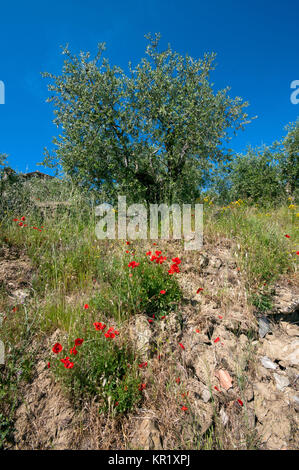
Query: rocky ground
[(237, 369)]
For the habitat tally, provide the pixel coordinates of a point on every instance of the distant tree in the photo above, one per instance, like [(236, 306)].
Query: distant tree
[(152, 135), (290, 158), (256, 176), (3, 158)]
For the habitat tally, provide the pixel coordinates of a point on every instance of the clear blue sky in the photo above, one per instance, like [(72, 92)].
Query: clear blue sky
[(257, 46)]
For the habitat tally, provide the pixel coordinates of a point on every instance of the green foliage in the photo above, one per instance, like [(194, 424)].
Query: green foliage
[(3, 158), (153, 135), (125, 296), (262, 301), (101, 368), (263, 250), (290, 158), (256, 177), (264, 175), (16, 372)]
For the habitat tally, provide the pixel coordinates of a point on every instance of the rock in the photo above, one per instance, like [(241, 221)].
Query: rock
[(249, 394), (224, 379), (289, 329), (148, 436), (261, 408), (20, 295), (204, 414), (206, 395), (203, 365), (281, 381), (275, 432), (295, 400), (264, 327), (216, 263), (141, 335), (203, 261), (224, 417), (281, 350), (267, 363), (264, 390), (286, 301)]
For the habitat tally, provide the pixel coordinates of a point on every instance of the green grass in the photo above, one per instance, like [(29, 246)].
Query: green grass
[(264, 253), (73, 268), (103, 369)]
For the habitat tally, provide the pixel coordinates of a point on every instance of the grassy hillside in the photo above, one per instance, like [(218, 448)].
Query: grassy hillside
[(62, 290)]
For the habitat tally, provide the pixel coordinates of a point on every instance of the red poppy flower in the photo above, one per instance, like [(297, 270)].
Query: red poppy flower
[(143, 364), (67, 363), (197, 330), (176, 260), (21, 224), (23, 218), (178, 380), (99, 326), (109, 333), (184, 408), (153, 258), (57, 348), (73, 351), (174, 269), (116, 403), (64, 360), (216, 340), (297, 253), (240, 402), (150, 320), (78, 341), (216, 388), (133, 264), (219, 316), (148, 253), (162, 291), (181, 345), (86, 306), (199, 290), (48, 365), (158, 253), (15, 220), (287, 236), (14, 309), (141, 387), (127, 251), (128, 243)]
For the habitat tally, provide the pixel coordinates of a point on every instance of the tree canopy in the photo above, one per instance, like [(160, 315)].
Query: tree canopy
[(152, 135)]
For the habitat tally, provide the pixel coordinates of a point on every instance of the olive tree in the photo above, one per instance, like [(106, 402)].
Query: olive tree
[(152, 134)]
